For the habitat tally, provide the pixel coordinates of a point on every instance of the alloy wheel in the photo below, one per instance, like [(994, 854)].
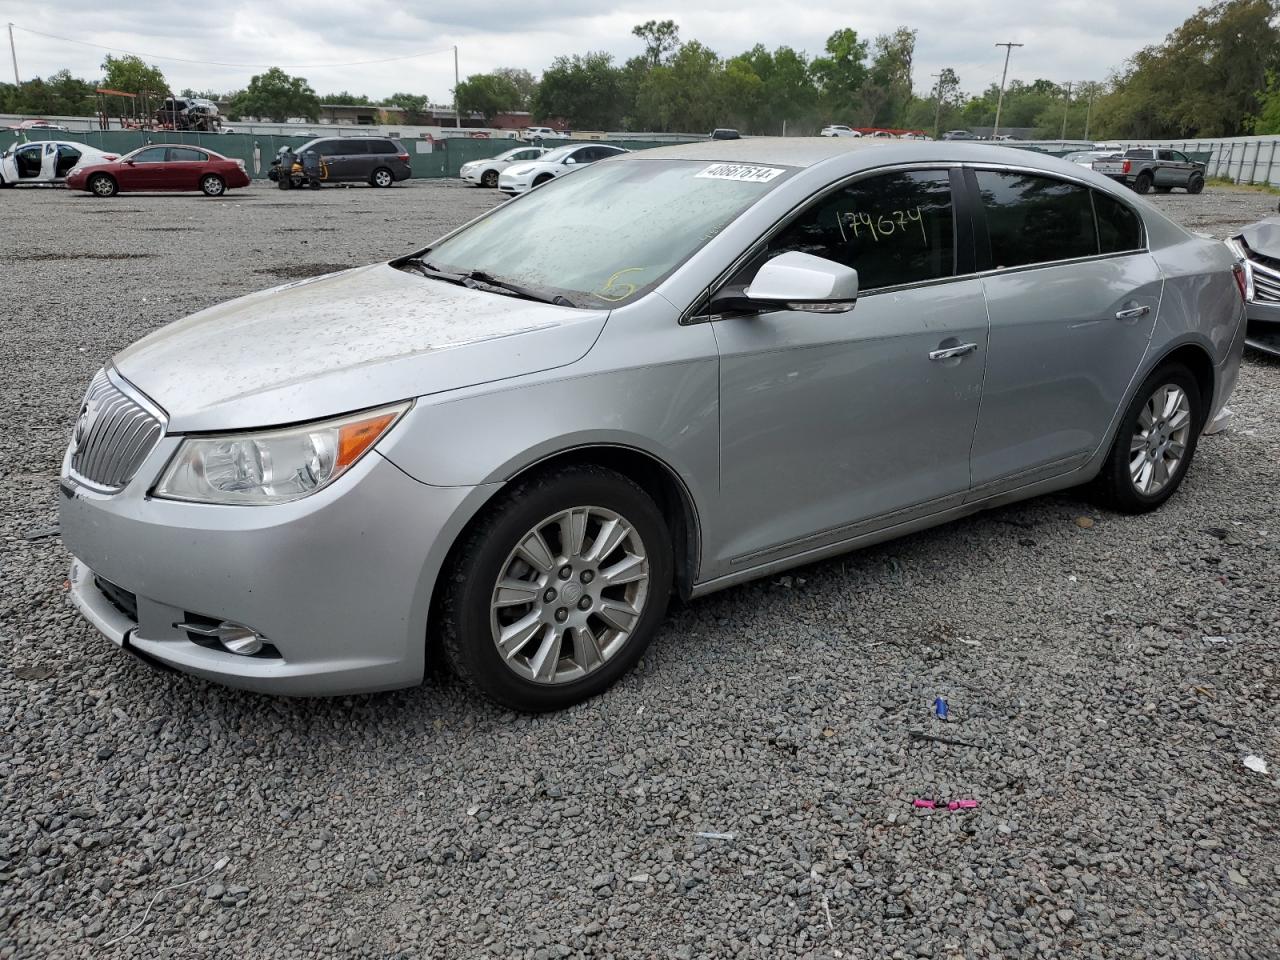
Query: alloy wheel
[(212, 186), (1160, 439), (570, 595), (382, 178)]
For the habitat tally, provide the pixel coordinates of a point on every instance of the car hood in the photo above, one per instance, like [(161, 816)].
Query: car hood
[(1264, 237), (345, 341)]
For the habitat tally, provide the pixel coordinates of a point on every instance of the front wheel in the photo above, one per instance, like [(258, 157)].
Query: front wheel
[(101, 185), (1155, 443), (382, 177), (1195, 185), (558, 589), (212, 185), (543, 179)]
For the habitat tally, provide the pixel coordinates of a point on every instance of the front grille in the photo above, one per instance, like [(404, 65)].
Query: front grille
[(113, 435)]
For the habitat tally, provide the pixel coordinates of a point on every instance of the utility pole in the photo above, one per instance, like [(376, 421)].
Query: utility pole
[(1065, 109), (1093, 88), (1008, 49), (457, 114), (14, 54), (937, 113)]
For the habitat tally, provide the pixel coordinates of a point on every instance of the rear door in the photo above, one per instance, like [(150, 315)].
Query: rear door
[(184, 167), (1072, 295), (357, 161)]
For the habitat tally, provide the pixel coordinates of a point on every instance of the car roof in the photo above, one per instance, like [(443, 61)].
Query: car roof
[(856, 152)]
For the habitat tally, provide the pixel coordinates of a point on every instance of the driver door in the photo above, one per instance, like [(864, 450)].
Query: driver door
[(145, 171), (839, 424)]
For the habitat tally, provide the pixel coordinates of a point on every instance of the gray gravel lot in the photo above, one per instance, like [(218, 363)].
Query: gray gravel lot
[(1105, 681)]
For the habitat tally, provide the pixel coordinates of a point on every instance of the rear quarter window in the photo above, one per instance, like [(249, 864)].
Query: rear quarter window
[(1119, 227)]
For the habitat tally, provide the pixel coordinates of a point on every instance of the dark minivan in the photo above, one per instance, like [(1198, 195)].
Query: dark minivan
[(379, 161)]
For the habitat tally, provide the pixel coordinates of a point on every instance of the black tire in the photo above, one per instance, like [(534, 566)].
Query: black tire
[(314, 184), (5, 185), (1114, 486), (489, 178), (1143, 183), (1195, 184), (478, 562), (543, 179), (103, 185), (382, 177), (212, 185)]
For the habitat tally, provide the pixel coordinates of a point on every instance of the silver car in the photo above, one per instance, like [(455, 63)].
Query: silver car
[(1258, 247), (675, 371)]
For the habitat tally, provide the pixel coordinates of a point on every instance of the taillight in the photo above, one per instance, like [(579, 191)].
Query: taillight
[(402, 157), (1241, 273), (1127, 166)]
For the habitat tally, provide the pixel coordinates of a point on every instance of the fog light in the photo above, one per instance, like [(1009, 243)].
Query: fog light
[(234, 637)]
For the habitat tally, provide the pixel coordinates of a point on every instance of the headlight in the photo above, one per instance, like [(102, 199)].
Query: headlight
[(273, 466)]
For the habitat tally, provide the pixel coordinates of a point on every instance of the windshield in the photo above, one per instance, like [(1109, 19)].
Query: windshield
[(609, 232)]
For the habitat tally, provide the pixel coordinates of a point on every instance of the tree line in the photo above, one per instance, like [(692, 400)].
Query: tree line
[(1218, 74)]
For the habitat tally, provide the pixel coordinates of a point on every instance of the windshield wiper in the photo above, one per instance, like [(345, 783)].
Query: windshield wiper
[(478, 278)]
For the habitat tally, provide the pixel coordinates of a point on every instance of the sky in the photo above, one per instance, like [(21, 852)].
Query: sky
[(1070, 40)]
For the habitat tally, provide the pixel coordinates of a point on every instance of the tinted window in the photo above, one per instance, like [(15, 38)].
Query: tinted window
[(381, 146), (1136, 154), (70, 153), (1180, 157), (1032, 219), (327, 148), (352, 147), (1119, 228), (186, 155), (1165, 154), (895, 228), (151, 155)]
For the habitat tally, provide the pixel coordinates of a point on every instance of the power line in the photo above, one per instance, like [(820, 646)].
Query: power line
[(219, 63)]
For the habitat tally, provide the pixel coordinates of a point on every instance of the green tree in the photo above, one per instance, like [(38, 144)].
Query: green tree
[(661, 39), (60, 95), (887, 92), (347, 98), (487, 94), (787, 98), (1204, 80), (277, 96), (131, 74), (840, 76), (416, 106), (586, 90), (525, 83), (1267, 122)]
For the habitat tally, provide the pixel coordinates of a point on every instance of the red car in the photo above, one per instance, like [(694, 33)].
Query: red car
[(161, 167)]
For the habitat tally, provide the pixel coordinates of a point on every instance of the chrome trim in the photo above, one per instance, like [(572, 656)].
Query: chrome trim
[(109, 455)]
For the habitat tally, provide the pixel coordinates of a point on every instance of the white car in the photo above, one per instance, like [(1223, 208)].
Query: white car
[(523, 177), (1085, 158), (47, 161), (534, 134), (484, 173), (839, 130)]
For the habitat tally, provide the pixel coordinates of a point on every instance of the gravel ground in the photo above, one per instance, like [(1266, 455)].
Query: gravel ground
[(1106, 675)]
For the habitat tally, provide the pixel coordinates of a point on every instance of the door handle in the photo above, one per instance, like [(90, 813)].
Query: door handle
[(946, 353), (1133, 313)]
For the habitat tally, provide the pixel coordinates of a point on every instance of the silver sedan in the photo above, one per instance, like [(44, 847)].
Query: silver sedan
[(675, 371)]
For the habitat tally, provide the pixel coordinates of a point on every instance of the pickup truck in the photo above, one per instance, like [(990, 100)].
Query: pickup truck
[(1145, 167)]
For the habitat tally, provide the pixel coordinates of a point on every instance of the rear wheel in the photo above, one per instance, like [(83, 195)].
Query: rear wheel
[(212, 185), (1195, 184), (382, 177), (1143, 183), (102, 185), (489, 178), (558, 589), (1155, 443)]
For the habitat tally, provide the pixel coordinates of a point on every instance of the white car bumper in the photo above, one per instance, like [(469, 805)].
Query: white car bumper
[(509, 183)]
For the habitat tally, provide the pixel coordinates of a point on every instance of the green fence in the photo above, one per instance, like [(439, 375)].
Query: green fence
[(431, 159)]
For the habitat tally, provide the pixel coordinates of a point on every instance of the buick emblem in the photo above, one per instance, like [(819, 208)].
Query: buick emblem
[(84, 424)]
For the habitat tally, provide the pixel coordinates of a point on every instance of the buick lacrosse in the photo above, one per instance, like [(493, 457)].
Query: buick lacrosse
[(676, 370)]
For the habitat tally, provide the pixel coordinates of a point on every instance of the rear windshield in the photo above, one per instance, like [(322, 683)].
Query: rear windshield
[(607, 233), (1138, 154)]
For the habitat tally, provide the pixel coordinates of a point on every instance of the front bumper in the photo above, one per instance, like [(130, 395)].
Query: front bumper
[(514, 185), (1264, 327), (339, 582)]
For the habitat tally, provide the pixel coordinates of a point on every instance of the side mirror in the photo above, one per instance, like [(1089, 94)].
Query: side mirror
[(793, 281), (569, 160)]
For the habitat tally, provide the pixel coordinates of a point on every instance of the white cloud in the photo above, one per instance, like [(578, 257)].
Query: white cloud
[(1068, 40)]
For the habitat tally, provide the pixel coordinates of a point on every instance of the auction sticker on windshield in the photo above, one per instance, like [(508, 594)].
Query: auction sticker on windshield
[(740, 171)]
